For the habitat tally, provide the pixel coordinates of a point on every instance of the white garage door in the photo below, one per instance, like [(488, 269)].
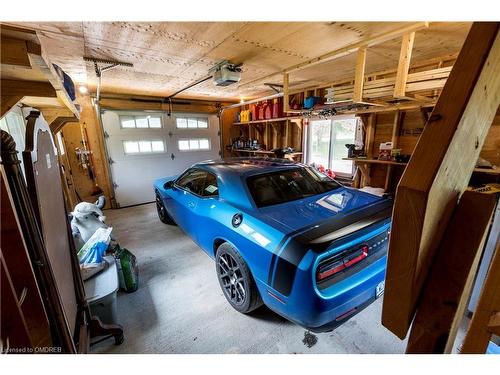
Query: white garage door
[(144, 146)]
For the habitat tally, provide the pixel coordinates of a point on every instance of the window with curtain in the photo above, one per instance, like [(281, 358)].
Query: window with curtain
[(326, 143)]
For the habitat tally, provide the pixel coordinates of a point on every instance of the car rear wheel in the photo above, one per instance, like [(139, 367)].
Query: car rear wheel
[(162, 211), (235, 280)]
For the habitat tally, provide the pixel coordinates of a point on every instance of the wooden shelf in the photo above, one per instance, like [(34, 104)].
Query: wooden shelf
[(27, 74), (291, 156), (269, 120), (374, 161), (493, 171)]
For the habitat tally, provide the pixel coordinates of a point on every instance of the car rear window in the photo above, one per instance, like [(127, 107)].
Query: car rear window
[(288, 185)]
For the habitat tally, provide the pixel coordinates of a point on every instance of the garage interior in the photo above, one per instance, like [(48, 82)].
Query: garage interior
[(408, 110)]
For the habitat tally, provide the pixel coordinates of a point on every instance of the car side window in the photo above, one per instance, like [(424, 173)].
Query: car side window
[(210, 189), (193, 181)]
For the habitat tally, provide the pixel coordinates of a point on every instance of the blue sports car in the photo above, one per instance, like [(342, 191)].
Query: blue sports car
[(283, 234)]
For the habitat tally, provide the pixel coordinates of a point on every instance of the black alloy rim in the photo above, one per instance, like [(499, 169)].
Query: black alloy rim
[(232, 279), (159, 207)]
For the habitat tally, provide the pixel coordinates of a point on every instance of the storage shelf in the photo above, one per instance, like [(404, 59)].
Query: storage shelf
[(493, 171), (374, 161), (269, 120), (291, 155)]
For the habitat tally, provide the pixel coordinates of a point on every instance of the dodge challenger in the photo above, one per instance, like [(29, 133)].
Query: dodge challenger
[(284, 235)]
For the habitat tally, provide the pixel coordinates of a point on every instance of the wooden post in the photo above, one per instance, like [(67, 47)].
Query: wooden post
[(403, 65), (359, 76), (485, 320), (286, 99), (439, 171), (450, 281), (369, 137), (396, 128)]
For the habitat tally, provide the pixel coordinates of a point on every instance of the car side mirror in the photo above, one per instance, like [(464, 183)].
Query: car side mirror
[(169, 184)]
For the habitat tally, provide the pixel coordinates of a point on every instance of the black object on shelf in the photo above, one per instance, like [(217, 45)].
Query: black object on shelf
[(352, 152), (281, 152)]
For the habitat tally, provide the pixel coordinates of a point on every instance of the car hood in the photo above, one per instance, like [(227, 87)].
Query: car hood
[(313, 210)]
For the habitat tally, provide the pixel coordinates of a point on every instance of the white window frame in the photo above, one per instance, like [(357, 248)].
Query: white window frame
[(134, 117), (195, 139), (308, 138), (187, 118), (144, 152)]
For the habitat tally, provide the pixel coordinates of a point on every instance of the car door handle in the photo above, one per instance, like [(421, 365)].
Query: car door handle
[(191, 204)]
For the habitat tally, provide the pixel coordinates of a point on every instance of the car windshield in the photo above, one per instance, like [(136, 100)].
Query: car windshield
[(288, 185)]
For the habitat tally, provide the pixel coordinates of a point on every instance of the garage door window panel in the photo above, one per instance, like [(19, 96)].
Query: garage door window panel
[(141, 122), (143, 147), (191, 123), (194, 144)]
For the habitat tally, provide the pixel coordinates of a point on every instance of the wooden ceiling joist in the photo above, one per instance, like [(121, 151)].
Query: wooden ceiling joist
[(439, 171), (341, 52)]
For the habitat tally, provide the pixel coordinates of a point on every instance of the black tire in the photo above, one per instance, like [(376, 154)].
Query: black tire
[(236, 280), (162, 211)]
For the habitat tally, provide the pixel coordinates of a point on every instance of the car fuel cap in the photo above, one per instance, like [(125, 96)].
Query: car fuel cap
[(237, 219)]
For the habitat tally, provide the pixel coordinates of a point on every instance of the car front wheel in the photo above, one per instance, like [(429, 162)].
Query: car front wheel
[(235, 280), (162, 211)]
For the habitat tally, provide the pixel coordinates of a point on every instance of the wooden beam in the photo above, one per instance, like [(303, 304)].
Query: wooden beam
[(359, 75), (450, 280), (57, 124), (404, 64), (494, 324), (27, 88), (14, 52), (439, 171), (346, 50), (155, 104), (479, 332), (7, 102)]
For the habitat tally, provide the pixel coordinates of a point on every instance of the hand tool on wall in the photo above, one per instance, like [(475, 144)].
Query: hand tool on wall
[(96, 190)]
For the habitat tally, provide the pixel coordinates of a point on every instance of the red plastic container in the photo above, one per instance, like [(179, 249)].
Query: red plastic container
[(268, 111), (278, 108), (261, 110), (254, 111)]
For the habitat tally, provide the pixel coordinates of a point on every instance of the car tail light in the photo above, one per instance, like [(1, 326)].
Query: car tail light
[(336, 266)]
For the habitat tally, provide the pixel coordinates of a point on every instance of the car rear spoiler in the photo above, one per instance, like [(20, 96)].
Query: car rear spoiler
[(319, 237)]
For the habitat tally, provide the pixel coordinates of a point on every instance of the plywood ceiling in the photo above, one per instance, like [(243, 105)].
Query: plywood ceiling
[(169, 55)]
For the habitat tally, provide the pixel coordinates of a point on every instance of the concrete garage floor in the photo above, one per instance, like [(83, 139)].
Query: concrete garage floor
[(179, 307)]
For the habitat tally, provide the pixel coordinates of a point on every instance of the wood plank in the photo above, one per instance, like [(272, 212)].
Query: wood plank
[(450, 281), (359, 75), (439, 171), (478, 334), (404, 64)]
